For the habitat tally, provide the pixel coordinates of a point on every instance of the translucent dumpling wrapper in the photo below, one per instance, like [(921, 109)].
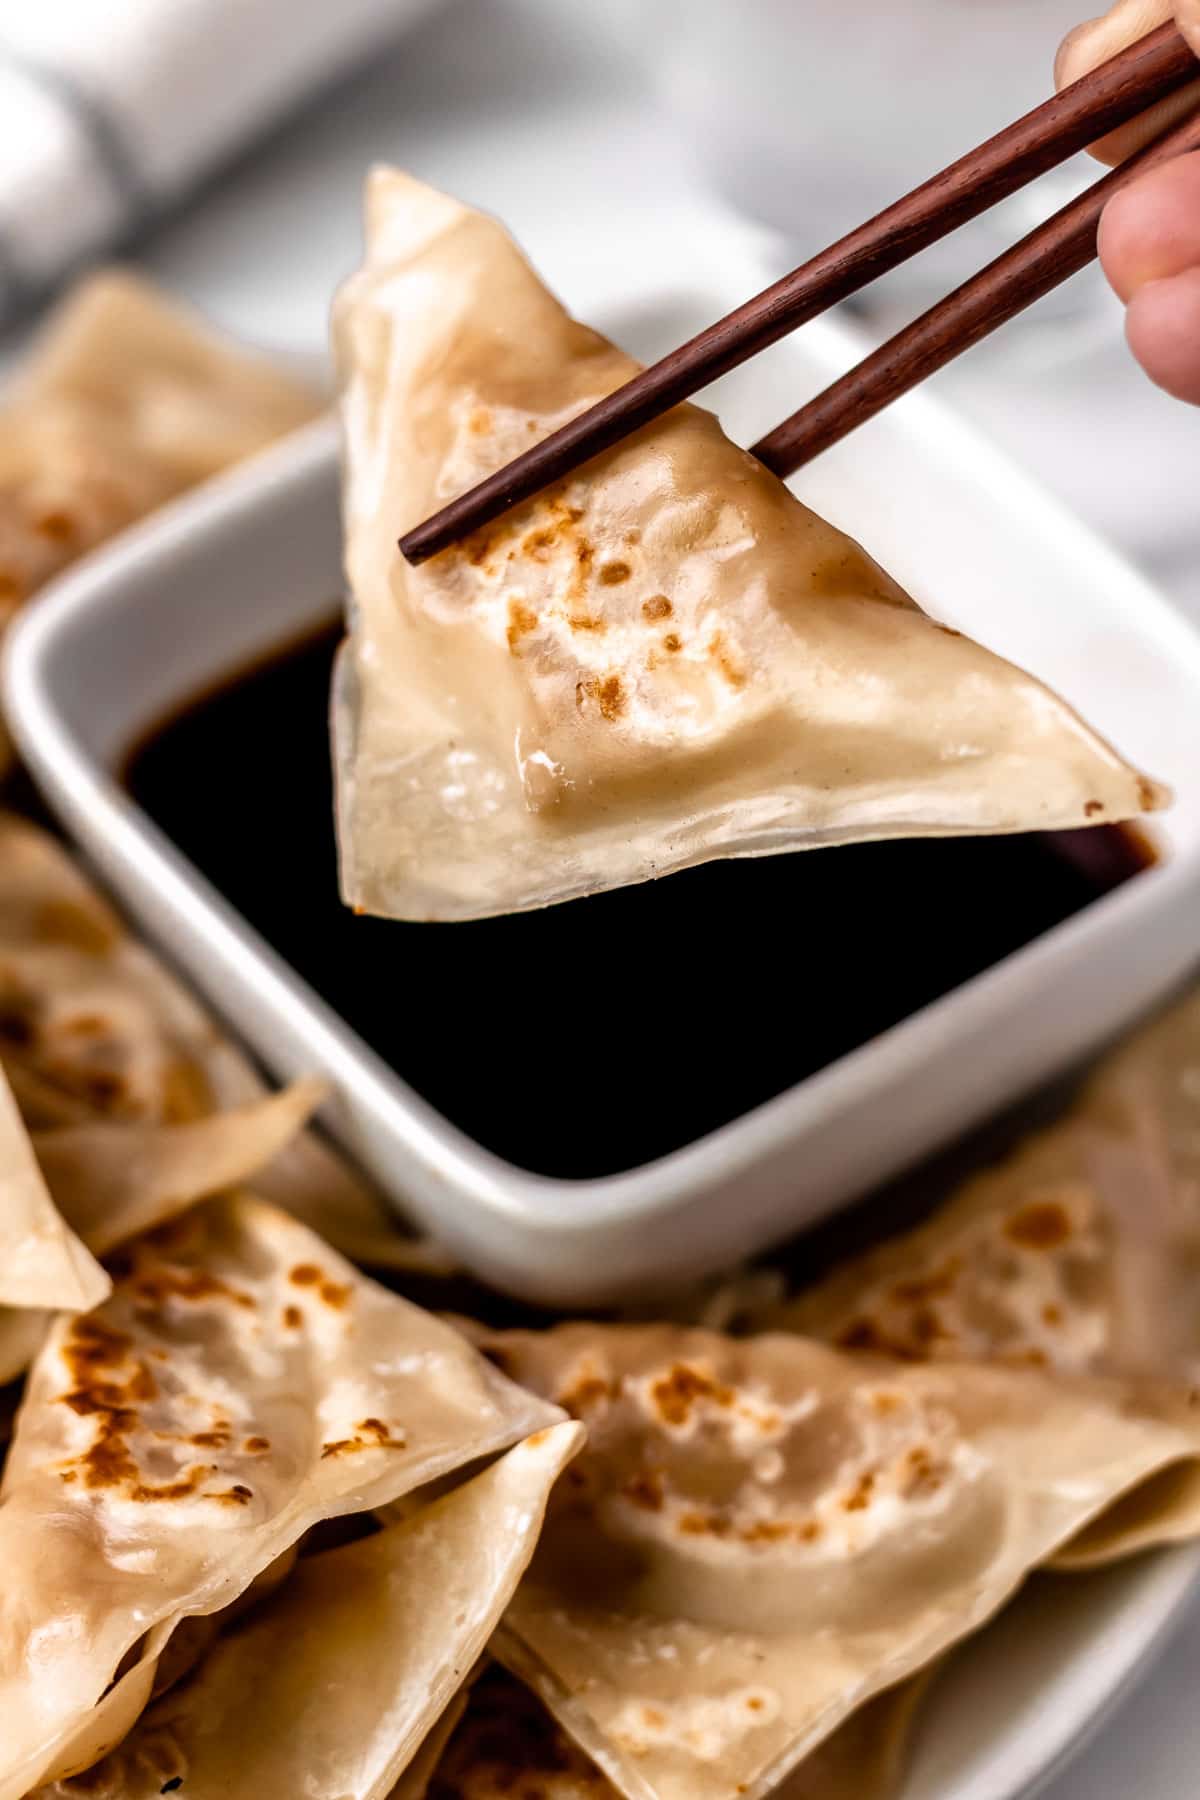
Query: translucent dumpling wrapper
[(127, 400), (43, 1262), (762, 1534), (330, 1687), (1079, 1253), (242, 1383), (665, 659), (506, 1743), (92, 1027), (112, 1181)]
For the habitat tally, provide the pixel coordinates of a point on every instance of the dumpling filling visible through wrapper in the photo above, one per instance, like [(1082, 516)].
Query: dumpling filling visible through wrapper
[(662, 660)]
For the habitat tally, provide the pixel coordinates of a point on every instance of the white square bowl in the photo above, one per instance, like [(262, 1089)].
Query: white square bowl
[(252, 560)]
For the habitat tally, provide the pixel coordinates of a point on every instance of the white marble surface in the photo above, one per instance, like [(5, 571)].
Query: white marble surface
[(529, 107)]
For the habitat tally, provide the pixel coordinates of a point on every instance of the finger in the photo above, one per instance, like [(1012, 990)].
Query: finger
[(1163, 328), (1093, 43), (1151, 230)]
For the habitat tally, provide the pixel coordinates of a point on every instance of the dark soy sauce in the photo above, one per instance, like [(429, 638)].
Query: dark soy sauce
[(594, 1036)]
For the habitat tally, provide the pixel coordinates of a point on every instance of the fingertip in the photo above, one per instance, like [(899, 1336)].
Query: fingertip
[(1163, 328), (1072, 60), (1151, 229)]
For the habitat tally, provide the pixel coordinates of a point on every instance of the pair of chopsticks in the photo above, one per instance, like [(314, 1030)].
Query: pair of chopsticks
[(1111, 95)]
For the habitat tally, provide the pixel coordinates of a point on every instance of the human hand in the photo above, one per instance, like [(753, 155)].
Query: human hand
[(1150, 233)]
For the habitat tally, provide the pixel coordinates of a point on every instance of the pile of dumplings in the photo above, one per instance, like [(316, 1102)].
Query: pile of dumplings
[(269, 1526), (286, 1510)]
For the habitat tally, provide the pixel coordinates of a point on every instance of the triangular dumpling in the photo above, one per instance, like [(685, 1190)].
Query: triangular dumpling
[(330, 1687), (1078, 1253), (762, 1534), (241, 1384), (663, 660)]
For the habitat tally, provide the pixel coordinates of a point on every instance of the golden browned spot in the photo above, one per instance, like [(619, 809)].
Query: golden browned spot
[(476, 547), (1147, 796), (1092, 808), (293, 1318), (754, 1704), (766, 1531), (163, 1282), (107, 1462), (923, 1472), (1051, 1314), (335, 1293), (56, 525), (521, 621), (63, 922), (538, 546), (374, 1428), (145, 1491), (234, 1496), (704, 1524), (84, 1025), (612, 574), (210, 1440), (254, 1446), (305, 1275), (587, 1390), (672, 642), (776, 1531), (633, 537), (480, 421), (373, 1441), (606, 691), (859, 1497), (885, 1403), (645, 1489), (653, 1718), (1042, 1225), (586, 622), (10, 587), (677, 1392), (725, 659), (657, 607)]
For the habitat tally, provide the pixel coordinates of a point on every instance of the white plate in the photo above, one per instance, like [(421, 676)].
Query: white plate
[(237, 568), (1024, 1696)]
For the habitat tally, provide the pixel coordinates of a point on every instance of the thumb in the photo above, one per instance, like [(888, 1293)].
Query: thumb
[(1098, 39)]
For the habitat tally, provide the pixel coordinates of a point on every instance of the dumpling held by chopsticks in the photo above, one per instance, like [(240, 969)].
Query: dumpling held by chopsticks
[(663, 660)]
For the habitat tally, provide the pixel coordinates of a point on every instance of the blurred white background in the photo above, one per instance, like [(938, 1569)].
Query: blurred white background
[(605, 131)]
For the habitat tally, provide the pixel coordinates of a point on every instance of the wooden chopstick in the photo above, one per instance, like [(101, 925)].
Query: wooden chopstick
[(1109, 96), (1058, 249)]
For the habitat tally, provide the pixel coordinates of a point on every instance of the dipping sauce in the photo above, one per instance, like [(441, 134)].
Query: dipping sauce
[(595, 1036)]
